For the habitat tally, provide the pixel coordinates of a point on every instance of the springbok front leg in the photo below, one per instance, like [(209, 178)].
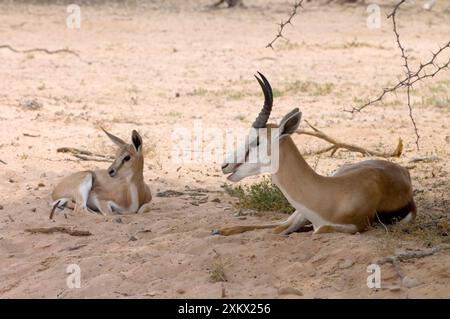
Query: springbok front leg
[(144, 208), (104, 208), (293, 224), (286, 227)]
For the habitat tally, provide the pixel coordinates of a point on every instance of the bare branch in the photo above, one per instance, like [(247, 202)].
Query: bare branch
[(58, 229), (410, 76), (396, 259), (43, 50), (297, 4), (85, 155), (352, 148)]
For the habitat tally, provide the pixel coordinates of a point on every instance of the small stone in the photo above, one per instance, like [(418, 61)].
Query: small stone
[(242, 218), (216, 200), (181, 291), (289, 291), (346, 264), (118, 220), (11, 180), (31, 104), (133, 238), (33, 210), (177, 94), (41, 184), (1, 207), (410, 282)]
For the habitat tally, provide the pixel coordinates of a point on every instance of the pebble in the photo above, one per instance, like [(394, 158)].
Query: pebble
[(181, 291), (1, 207), (133, 238), (289, 291), (410, 282), (346, 264)]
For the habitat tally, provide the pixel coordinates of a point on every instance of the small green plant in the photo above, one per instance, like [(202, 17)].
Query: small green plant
[(261, 196)]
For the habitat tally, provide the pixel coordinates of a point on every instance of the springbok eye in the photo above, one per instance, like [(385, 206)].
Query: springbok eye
[(126, 158)]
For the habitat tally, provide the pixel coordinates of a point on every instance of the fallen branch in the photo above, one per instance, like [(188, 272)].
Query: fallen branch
[(65, 230), (350, 147), (396, 259), (43, 50), (3, 162), (30, 135), (297, 4), (85, 155)]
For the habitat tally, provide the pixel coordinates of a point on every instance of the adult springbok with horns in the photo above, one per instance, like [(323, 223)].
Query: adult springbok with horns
[(119, 189), (348, 201)]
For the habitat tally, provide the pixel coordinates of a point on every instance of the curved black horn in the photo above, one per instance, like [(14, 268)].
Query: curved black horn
[(264, 115)]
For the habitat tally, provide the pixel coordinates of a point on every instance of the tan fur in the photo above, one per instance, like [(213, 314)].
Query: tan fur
[(348, 201), (105, 189)]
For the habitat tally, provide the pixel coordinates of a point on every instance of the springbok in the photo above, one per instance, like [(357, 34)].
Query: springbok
[(347, 201), (119, 189)]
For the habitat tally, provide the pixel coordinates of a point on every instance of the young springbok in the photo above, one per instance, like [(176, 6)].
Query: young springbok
[(348, 201), (119, 189)]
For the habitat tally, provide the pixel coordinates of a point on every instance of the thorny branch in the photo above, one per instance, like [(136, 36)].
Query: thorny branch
[(353, 148), (411, 77), (297, 5)]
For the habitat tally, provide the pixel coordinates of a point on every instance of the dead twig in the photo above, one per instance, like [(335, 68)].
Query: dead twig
[(3, 162), (296, 6), (43, 50), (85, 155), (395, 260), (350, 147), (57, 229), (30, 135)]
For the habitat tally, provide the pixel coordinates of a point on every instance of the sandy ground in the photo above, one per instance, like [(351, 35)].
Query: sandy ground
[(160, 67)]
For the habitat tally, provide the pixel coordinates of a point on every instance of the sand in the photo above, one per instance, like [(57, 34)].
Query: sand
[(156, 68)]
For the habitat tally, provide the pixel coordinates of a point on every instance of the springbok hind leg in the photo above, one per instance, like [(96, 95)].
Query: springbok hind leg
[(82, 194)]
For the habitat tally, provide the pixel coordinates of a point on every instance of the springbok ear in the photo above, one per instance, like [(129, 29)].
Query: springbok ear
[(290, 122), (137, 140), (118, 141)]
